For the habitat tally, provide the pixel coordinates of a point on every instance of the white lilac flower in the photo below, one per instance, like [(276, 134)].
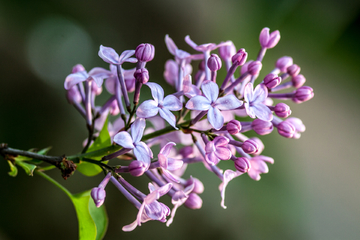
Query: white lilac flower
[(150, 108), (212, 104), (254, 102)]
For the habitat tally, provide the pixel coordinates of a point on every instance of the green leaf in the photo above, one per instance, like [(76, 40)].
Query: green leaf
[(92, 221), (44, 151), (13, 170), (29, 168), (102, 141)]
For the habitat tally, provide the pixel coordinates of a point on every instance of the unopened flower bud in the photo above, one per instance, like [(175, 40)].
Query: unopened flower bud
[(260, 145), (98, 195), (114, 108), (250, 146), (303, 94), (193, 201), (298, 80), (78, 68), (242, 164), (233, 127), (198, 185), (227, 51), (137, 168), (269, 40), (282, 110), (187, 151), (254, 68), (214, 62), (272, 80), (130, 84), (240, 57), (283, 63), (95, 89), (262, 127), (145, 52), (171, 72), (73, 95), (293, 70), (142, 75), (297, 123), (286, 129)]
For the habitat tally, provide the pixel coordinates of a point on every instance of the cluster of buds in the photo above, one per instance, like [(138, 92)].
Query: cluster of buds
[(207, 123)]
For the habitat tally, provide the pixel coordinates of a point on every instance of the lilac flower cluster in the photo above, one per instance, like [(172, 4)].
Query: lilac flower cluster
[(204, 120)]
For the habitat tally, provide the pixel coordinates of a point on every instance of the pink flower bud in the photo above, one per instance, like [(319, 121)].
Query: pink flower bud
[(73, 95), (269, 40), (145, 52), (293, 70), (282, 110), (98, 195), (130, 84), (142, 75), (114, 108), (262, 127), (254, 67), (240, 57), (233, 127), (214, 62), (250, 146), (283, 63), (303, 94), (78, 68), (272, 80), (242, 164), (260, 145), (298, 80), (286, 129), (137, 168), (227, 51), (193, 201), (198, 185), (187, 151)]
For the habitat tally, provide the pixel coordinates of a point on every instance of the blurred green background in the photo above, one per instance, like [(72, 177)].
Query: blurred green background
[(312, 190)]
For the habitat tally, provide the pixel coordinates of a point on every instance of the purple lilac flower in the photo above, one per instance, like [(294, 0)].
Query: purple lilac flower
[(96, 74), (217, 150), (98, 194), (151, 209), (269, 40), (142, 152), (211, 103), (254, 102), (150, 108), (258, 166), (109, 55), (168, 164)]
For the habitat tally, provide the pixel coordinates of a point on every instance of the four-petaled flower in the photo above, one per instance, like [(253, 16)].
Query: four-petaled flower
[(142, 152), (211, 103), (97, 74), (254, 102), (151, 209), (217, 150), (150, 108)]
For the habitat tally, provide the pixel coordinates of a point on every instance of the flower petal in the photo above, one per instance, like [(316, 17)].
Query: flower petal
[(171, 46), (210, 90), (168, 116), (248, 93), (198, 103), (124, 139), (109, 55), (260, 94), (165, 150), (137, 129), (220, 141), (143, 153), (228, 102), (148, 108), (228, 176), (156, 91), (262, 112), (215, 118), (223, 153), (172, 103), (75, 78), (126, 57)]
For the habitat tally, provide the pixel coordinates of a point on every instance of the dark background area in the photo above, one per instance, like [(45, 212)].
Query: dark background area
[(312, 190)]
